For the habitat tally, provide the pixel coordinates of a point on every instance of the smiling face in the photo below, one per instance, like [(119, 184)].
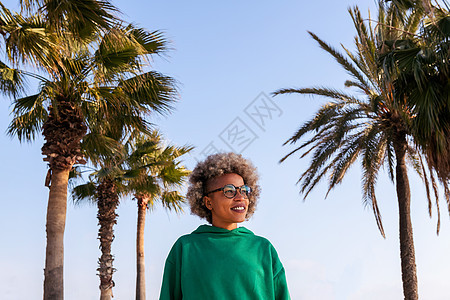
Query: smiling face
[(226, 213)]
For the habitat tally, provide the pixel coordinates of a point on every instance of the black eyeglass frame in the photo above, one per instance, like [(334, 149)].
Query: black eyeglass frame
[(245, 195)]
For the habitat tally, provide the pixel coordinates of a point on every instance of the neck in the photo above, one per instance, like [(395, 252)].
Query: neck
[(225, 226)]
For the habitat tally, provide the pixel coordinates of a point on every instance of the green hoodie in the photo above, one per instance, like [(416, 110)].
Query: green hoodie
[(214, 263)]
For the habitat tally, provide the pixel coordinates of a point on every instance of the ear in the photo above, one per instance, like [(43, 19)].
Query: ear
[(207, 202)]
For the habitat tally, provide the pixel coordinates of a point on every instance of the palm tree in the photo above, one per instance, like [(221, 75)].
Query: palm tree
[(78, 90), (31, 40), (144, 169), (418, 65), (104, 188), (377, 129), (158, 176)]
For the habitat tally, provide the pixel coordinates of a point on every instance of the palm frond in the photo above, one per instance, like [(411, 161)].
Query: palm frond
[(436, 195), (98, 148), (173, 200), (28, 103), (12, 81), (27, 40), (29, 116), (83, 192), (81, 18), (343, 160), (115, 55), (320, 91), (152, 42), (339, 58), (151, 90)]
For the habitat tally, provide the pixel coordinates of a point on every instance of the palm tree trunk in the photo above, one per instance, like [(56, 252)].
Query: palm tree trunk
[(140, 260), (63, 131), (107, 202), (56, 222), (408, 260), (106, 294)]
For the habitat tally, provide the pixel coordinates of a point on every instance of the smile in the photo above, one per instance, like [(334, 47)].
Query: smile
[(238, 208)]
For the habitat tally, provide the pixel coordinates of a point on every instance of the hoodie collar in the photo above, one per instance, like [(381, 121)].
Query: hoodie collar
[(218, 230)]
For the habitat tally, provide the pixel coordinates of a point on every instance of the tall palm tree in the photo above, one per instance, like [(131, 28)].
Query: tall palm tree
[(376, 129), (78, 89), (31, 41), (158, 175)]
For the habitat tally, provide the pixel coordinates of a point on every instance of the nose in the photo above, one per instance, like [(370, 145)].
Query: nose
[(239, 196)]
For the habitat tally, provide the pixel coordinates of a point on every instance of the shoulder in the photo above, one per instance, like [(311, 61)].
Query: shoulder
[(177, 248), (259, 239), (184, 239), (263, 243), (270, 253)]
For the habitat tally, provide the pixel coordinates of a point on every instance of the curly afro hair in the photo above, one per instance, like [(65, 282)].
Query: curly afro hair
[(214, 166)]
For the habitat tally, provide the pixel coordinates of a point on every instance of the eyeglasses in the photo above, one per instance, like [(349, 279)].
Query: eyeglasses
[(230, 191)]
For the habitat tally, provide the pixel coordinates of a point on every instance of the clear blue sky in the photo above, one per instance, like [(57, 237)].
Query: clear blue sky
[(226, 53)]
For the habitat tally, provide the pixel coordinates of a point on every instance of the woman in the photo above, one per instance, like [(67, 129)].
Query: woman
[(223, 261)]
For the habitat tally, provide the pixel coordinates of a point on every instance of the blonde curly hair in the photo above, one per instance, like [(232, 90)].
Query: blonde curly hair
[(217, 165)]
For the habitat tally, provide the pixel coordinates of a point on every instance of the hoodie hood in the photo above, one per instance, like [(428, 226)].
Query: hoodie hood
[(222, 231)]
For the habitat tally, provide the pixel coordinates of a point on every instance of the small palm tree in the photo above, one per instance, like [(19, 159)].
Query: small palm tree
[(158, 176), (377, 129), (104, 189), (146, 170)]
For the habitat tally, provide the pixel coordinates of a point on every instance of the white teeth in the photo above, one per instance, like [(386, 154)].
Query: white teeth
[(238, 208)]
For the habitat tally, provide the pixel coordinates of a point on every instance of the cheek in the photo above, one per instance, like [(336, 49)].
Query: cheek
[(215, 205), (220, 206)]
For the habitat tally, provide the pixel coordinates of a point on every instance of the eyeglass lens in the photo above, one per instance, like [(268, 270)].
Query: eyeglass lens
[(230, 191)]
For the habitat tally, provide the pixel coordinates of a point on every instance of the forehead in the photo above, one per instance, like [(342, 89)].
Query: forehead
[(229, 178)]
